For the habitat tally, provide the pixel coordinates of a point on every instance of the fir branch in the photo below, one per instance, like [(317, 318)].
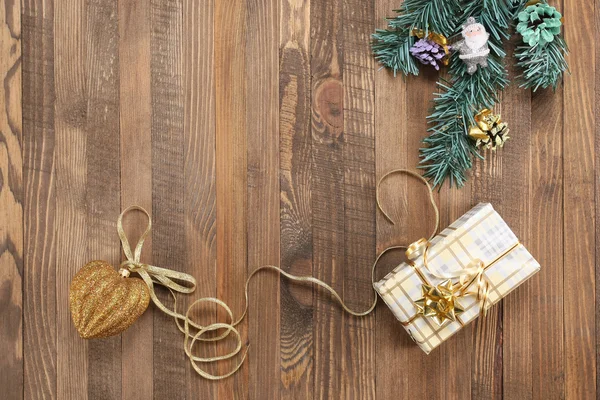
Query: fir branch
[(440, 16), (450, 150), (391, 46), (542, 67), (392, 50)]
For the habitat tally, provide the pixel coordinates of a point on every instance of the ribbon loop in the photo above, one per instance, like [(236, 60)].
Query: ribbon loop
[(416, 250), (133, 257)]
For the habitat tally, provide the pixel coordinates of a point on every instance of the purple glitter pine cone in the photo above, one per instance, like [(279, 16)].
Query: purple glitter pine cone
[(428, 52)]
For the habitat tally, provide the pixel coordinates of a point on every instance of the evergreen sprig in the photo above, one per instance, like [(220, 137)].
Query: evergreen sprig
[(391, 46), (450, 150), (542, 67)]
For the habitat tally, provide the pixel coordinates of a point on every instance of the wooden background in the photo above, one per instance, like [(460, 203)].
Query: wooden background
[(255, 131)]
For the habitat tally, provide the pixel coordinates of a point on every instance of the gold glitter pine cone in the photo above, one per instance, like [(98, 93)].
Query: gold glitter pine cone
[(490, 132), (496, 137), (104, 303)]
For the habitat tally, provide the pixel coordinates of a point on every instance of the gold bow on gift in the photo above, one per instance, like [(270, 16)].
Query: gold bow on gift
[(442, 301), (437, 38)]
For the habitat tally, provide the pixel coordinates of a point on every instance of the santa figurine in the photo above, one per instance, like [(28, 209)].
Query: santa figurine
[(473, 48)]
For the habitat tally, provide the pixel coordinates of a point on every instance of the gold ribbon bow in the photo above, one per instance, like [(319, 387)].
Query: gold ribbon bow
[(193, 332), (436, 38), (481, 119), (471, 280)]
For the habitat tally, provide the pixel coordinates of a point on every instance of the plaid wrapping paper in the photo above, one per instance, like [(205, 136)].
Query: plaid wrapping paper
[(480, 233)]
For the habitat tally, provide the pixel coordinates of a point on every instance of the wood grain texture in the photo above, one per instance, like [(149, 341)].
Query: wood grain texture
[(39, 212), (547, 188), (11, 203), (328, 141), (231, 175), (263, 228), (357, 333), (135, 112), (103, 184), (200, 160), (295, 147), (71, 109), (254, 131), (579, 239), (168, 210)]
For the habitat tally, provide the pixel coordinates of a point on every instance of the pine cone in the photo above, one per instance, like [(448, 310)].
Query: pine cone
[(496, 135), (428, 52), (538, 24)]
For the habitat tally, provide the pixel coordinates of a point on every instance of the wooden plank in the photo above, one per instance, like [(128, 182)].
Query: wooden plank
[(168, 246), (419, 219), (136, 176), (597, 201), (200, 160), (295, 146), (11, 203), (231, 169), (516, 210), (326, 65), (546, 244), (578, 199), (262, 71), (103, 176), (456, 352), (39, 286), (487, 185), (394, 346), (357, 333), (597, 192), (71, 181)]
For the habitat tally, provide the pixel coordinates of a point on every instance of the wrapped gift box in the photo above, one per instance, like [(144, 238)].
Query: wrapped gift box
[(480, 234)]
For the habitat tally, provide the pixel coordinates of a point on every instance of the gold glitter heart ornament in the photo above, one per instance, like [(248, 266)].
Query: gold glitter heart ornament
[(105, 303)]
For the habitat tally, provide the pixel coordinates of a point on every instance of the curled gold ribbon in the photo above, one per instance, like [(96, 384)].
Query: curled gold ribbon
[(194, 332), (430, 192), (179, 282)]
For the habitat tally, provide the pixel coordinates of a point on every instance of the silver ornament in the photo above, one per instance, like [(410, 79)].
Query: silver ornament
[(473, 48)]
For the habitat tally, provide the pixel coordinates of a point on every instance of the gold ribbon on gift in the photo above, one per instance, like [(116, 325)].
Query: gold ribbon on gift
[(471, 279), (436, 38)]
